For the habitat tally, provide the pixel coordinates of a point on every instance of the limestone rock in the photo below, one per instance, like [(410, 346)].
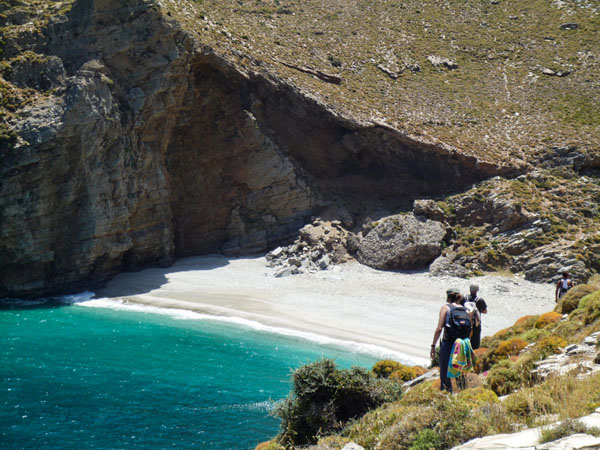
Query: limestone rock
[(444, 267), (430, 375), (438, 61), (574, 442), (319, 245), (546, 264), (402, 242), (498, 212), (429, 209), (352, 446)]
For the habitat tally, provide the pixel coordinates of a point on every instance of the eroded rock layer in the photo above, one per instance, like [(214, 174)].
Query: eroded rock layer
[(144, 145)]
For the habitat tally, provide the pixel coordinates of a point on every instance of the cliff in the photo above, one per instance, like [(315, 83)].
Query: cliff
[(134, 132), (134, 144)]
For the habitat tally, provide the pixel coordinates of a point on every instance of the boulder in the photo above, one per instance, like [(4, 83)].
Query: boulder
[(444, 267), (402, 241)]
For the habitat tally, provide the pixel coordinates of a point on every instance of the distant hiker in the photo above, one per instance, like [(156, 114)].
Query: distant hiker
[(562, 286), (455, 321), (475, 304)]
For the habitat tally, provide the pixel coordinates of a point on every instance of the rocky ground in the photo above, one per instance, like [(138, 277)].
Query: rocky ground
[(529, 225)]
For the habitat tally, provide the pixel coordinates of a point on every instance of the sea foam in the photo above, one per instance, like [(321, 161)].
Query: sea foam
[(85, 299)]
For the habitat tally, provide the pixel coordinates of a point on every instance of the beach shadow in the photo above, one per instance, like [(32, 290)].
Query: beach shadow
[(149, 279)]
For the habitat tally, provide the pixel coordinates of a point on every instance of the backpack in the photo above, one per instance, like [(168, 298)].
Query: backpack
[(458, 324)]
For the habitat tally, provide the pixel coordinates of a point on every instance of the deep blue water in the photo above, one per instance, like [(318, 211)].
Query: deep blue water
[(75, 377)]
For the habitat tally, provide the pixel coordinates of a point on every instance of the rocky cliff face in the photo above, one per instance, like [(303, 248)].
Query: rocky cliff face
[(142, 145)]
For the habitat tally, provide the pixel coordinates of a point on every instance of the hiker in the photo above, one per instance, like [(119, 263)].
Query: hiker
[(475, 304), (451, 333), (562, 286)]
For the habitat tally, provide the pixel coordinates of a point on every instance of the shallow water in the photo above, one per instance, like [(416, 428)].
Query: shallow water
[(78, 377)]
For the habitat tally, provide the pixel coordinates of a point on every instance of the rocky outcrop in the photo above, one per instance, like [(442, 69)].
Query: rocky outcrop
[(402, 241), (496, 212), (143, 145), (318, 246)]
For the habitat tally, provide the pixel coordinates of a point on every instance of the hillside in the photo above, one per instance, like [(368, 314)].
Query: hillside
[(537, 377), (139, 131), (506, 81)]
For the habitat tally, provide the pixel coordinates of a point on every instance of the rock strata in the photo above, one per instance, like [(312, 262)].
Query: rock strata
[(144, 145)]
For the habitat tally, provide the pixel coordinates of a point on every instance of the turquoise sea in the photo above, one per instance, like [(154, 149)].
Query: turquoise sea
[(77, 377)]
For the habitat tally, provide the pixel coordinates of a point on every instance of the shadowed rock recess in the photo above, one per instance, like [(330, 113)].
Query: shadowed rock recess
[(151, 146)]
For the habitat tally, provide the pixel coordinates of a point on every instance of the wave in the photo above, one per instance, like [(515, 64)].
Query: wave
[(85, 299), (265, 406)]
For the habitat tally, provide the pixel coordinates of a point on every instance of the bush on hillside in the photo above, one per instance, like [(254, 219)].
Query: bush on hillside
[(478, 368), (478, 396), (525, 323), (534, 335), (590, 306), (530, 403), (550, 345), (427, 439), (570, 301), (547, 318), (323, 398), (504, 378), (503, 350), (406, 373), (383, 369), (568, 329)]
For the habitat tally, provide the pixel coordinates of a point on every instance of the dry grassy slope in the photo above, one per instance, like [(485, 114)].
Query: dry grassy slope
[(497, 104)]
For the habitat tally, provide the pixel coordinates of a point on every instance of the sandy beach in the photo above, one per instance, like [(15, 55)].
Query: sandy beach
[(350, 302)]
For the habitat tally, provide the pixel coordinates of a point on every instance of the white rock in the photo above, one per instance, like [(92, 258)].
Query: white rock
[(573, 442), (276, 253), (352, 446)]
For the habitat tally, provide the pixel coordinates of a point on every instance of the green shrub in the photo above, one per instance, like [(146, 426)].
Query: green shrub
[(323, 398), (478, 396), (504, 378), (534, 335), (424, 394), (530, 403), (426, 440), (548, 346), (590, 307), (571, 299), (459, 422), (568, 329)]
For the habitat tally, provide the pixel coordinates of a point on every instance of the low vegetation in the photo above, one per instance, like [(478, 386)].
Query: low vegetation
[(507, 81), (426, 418)]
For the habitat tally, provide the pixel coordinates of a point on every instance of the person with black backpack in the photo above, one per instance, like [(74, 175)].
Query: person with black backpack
[(455, 322)]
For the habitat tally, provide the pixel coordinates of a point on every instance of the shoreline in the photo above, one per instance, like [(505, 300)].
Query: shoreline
[(350, 303)]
